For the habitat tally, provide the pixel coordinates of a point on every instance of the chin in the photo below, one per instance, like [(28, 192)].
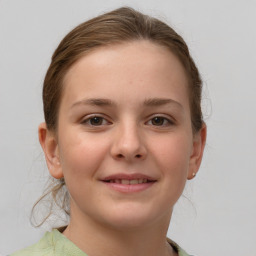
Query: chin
[(129, 223), (134, 218)]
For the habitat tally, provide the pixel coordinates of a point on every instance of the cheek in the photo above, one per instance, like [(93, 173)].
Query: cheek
[(80, 159), (81, 156), (173, 155)]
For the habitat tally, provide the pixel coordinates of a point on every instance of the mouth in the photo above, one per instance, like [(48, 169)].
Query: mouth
[(129, 183)]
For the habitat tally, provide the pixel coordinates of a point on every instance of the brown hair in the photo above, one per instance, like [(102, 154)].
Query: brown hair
[(119, 26)]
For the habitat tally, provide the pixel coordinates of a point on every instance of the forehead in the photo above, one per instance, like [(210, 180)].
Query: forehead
[(142, 65), (131, 52)]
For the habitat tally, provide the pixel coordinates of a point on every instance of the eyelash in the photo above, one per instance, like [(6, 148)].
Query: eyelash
[(164, 122), (102, 120)]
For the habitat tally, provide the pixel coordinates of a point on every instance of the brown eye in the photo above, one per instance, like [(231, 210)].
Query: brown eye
[(96, 120), (158, 120)]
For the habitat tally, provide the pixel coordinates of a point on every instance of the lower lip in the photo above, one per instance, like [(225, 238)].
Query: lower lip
[(124, 188)]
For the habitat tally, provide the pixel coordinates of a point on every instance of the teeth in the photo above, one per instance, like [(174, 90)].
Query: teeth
[(132, 182), (126, 182)]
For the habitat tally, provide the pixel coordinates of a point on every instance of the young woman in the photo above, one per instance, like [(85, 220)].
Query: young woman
[(123, 132)]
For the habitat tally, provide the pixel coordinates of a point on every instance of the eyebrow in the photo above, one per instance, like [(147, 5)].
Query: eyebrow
[(152, 102), (94, 102), (155, 102)]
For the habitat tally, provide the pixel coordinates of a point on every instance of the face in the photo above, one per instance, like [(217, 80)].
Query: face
[(124, 142)]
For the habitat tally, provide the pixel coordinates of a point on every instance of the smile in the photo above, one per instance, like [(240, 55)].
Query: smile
[(129, 183)]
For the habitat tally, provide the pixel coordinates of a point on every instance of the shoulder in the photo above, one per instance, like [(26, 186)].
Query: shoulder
[(45, 246), (52, 244)]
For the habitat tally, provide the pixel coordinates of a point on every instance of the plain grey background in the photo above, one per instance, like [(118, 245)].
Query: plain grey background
[(217, 214)]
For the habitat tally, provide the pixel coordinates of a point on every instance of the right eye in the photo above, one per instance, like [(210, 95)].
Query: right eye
[(95, 121)]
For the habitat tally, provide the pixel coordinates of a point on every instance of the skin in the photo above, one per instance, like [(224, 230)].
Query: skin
[(138, 93)]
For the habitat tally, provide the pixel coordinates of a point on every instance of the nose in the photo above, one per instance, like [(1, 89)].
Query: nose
[(128, 144)]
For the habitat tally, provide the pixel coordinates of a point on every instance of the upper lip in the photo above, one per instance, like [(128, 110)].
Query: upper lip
[(124, 176)]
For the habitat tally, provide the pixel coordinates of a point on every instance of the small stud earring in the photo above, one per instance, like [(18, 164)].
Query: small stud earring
[(193, 174)]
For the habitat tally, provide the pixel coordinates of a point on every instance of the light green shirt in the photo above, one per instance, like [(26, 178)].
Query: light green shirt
[(55, 244)]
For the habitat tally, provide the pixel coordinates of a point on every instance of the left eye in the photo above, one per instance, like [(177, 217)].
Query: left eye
[(159, 121), (95, 121)]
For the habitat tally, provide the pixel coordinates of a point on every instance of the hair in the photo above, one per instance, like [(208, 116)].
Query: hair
[(116, 27)]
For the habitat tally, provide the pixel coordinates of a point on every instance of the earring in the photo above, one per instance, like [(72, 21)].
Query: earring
[(193, 174)]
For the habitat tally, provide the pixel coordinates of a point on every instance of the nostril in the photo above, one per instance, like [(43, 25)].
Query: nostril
[(122, 156)]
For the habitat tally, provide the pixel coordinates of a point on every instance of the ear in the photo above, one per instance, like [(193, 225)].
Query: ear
[(197, 152), (49, 145)]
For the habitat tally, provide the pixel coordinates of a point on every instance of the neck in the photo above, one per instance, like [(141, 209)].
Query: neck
[(96, 239)]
